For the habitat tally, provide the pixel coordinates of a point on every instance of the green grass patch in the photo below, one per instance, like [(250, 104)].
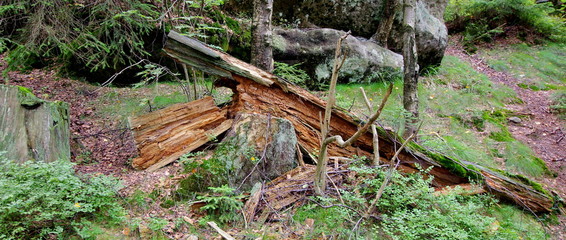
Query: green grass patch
[(463, 116), (516, 224), (543, 65)]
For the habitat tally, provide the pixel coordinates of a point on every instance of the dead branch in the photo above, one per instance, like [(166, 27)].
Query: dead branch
[(375, 161), (320, 175)]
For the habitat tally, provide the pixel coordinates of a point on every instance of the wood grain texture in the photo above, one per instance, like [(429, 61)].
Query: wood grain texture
[(165, 135)]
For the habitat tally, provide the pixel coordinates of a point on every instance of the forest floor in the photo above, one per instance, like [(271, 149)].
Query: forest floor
[(102, 143), (542, 130)]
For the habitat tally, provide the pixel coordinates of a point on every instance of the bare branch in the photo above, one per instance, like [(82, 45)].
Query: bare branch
[(375, 136)]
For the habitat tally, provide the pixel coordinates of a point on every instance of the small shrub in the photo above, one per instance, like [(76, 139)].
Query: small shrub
[(291, 73), (45, 200), (223, 204)]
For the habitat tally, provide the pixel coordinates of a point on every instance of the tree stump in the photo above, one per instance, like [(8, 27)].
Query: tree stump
[(32, 128)]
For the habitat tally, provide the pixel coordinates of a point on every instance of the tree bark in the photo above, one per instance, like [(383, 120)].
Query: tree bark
[(386, 23), (262, 51), (410, 69)]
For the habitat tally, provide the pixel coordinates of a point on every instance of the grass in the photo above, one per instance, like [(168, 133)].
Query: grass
[(516, 224), (463, 115), (540, 66)]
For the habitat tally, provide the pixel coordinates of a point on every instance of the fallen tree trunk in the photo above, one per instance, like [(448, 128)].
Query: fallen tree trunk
[(261, 92), (165, 135)]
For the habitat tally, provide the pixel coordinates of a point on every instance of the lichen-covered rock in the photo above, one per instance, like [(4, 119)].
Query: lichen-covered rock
[(266, 149), (31, 128), (314, 48)]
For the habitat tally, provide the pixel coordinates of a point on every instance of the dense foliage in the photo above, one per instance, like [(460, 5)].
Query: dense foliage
[(47, 200), (408, 209), (100, 35)]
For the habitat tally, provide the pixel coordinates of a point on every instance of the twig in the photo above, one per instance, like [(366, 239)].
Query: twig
[(365, 127), (320, 173), (113, 77), (335, 187)]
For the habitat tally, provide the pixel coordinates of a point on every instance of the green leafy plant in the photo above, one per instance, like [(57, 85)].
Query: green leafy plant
[(292, 73), (46, 200), (223, 204)]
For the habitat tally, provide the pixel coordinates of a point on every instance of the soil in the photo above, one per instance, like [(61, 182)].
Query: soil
[(541, 130)]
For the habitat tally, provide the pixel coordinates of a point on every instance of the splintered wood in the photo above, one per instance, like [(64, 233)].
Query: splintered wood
[(165, 135), (289, 189), (261, 92)]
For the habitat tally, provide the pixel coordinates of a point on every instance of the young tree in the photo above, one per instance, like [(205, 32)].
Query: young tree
[(410, 72), (262, 53)]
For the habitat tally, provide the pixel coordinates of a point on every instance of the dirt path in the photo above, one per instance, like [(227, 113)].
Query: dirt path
[(542, 131)]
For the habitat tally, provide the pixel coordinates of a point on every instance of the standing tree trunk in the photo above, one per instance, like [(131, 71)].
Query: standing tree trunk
[(410, 79), (262, 53), (387, 18)]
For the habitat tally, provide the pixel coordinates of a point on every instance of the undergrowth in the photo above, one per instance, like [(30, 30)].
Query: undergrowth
[(482, 20), (47, 201), (410, 209), (292, 73), (99, 36)]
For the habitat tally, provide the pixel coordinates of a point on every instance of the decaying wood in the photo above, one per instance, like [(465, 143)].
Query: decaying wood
[(251, 205), (288, 189), (261, 92), (165, 135), (222, 233)]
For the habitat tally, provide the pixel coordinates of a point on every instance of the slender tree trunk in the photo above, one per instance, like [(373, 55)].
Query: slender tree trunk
[(410, 80), (262, 53), (387, 18)]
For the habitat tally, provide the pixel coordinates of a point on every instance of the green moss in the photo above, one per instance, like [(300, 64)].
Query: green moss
[(454, 165), (27, 98), (525, 180), (536, 186)]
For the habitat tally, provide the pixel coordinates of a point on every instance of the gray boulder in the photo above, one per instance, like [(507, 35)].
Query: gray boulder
[(314, 48), (363, 17), (266, 149), (431, 34)]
